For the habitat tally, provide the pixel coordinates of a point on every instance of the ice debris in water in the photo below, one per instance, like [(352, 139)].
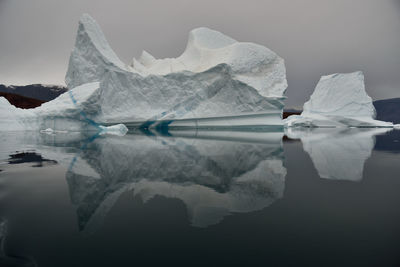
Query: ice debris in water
[(339, 100)]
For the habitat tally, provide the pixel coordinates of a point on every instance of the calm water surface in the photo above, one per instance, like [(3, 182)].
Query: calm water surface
[(324, 197)]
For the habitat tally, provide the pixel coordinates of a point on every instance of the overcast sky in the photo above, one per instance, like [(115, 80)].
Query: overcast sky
[(315, 37)]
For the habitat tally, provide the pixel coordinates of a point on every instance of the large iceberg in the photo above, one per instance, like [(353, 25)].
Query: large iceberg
[(215, 81), (339, 100)]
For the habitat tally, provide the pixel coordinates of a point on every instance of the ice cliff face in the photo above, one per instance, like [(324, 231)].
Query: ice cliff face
[(339, 100), (216, 76)]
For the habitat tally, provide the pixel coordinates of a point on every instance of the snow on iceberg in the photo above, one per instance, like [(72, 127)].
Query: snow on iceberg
[(216, 77), (339, 100)]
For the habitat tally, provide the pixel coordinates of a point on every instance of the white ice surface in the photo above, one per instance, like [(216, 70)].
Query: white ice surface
[(252, 64)]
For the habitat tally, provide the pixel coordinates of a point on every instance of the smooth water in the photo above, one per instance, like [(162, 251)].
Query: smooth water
[(324, 197)]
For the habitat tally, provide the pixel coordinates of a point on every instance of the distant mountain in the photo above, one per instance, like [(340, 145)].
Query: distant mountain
[(36, 91), (290, 112), (388, 110), (22, 101)]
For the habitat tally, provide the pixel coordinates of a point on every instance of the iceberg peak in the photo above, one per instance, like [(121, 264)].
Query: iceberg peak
[(92, 55), (341, 94)]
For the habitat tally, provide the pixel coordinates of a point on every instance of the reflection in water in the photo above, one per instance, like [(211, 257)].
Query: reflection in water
[(389, 142), (338, 153), (212, 177), (214, 173)]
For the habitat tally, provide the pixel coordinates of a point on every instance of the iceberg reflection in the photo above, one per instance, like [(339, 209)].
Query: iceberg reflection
[(237, 173), (338, 153), (214, 173)]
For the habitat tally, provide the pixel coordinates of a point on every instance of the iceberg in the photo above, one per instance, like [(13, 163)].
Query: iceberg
[(217, 81), (339, 100)]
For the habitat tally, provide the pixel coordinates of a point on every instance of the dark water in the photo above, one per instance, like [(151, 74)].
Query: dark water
[(197, 198)]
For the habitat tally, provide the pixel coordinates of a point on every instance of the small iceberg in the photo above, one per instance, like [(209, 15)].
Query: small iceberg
[(339, 100)]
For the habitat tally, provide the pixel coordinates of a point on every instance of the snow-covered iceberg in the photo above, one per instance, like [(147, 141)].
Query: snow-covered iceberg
[(215, 80), (339, 100)]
